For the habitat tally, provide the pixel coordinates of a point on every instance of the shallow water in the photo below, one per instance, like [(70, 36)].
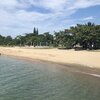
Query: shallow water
[(26, 80)]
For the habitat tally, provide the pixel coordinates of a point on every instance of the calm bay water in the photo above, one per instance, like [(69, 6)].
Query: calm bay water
[(26, 80)]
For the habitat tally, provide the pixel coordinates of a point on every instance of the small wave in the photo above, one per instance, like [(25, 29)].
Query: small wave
[(13, 65), (95, 75)]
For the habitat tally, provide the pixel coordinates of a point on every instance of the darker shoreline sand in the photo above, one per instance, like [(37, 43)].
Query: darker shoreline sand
[(76, 68)]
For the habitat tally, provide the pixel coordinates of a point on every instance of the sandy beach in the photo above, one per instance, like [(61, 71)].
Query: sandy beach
[(85, 58)]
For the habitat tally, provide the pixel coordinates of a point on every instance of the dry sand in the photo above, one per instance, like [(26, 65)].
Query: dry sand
[(86, 58)]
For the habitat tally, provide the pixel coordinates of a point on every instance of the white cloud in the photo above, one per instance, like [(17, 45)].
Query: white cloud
[(83, 4), (88, 18), (54, 5), (16, 17)]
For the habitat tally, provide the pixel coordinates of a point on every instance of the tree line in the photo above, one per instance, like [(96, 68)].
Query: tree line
[(85, 36)]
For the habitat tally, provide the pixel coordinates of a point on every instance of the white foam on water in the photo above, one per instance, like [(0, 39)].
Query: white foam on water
[(96, 75)]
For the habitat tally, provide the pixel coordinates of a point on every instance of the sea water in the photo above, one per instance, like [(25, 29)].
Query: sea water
[(36, 80)]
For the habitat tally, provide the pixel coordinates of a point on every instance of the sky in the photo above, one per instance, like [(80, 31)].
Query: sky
[(21, 16)]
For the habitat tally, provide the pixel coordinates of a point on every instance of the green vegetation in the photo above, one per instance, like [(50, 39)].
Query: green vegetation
[(86, 36)]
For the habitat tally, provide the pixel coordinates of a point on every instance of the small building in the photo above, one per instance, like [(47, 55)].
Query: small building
[(77, 47)]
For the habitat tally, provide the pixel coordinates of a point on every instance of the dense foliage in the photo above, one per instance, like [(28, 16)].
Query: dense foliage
[(87, 36)]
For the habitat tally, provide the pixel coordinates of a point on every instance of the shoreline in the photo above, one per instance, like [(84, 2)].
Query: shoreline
[(75, 67)]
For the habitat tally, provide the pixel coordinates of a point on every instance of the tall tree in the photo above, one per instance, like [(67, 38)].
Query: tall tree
[(34, 30), (37, 31)]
